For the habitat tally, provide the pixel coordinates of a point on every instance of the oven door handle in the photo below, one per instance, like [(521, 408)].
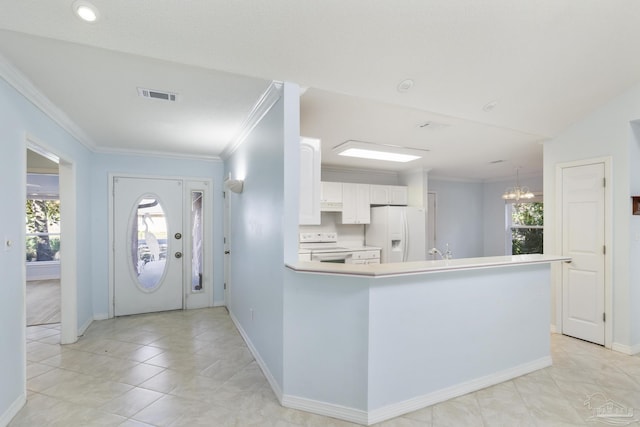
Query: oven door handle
[(331, 257)]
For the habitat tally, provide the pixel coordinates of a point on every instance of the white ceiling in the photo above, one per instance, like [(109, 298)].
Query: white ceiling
[(546, 63)]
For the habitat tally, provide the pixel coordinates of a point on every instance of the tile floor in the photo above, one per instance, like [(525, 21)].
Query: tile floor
[(193, 369)]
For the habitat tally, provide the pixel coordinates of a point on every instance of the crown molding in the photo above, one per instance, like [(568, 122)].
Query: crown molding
[(259, 110), (26, 88), (165, 154)]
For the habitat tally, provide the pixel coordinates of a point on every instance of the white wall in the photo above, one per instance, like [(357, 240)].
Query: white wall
[(326, 339), (368, 349), (18, 117), (263, 232), (634, 247), (460, 217), (43, 270), (460, 326), (416, 181), (605, 132)]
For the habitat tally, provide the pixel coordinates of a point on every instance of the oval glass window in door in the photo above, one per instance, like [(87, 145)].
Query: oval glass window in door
[(149, 243)]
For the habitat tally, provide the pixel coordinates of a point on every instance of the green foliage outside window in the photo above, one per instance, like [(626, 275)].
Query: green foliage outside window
[(526, 240), (42, 216)]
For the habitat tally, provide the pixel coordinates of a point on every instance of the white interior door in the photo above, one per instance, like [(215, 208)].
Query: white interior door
[(227, 249), (583, 224), (148, 262)]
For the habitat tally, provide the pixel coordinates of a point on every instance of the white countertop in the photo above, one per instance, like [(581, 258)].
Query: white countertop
[(420, 267), (338, 248)]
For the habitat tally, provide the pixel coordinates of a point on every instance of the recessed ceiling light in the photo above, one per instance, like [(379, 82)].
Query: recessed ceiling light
[(489, 106), (405, 85), (85, 11), (373, 151)]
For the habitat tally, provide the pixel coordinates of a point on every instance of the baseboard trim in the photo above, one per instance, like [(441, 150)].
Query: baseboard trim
[(553, 329), (11, 412), (401, 408), (83, 328), (397, 409), (626, 349), (327, 409), (263, 366)]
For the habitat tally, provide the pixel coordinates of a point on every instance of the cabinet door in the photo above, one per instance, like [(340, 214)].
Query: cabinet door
[(349, 204), (331, 192), (309, 181), (379, 195), (397, 195), (363, 195), (356, 208)]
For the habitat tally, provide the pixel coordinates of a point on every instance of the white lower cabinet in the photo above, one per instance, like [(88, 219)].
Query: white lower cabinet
[(356, 208)]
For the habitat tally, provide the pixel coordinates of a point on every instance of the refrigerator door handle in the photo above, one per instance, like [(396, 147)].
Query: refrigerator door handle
[(405, 236)]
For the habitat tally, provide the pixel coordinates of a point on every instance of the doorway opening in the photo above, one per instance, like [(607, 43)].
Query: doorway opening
[(42, 252), (432, 238), (65, 232)]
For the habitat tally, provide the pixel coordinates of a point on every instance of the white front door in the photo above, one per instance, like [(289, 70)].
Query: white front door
[(583, 239), (227, 249), (148, 262)]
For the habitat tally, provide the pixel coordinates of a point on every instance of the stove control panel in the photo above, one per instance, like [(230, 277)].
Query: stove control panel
[(327, 237)]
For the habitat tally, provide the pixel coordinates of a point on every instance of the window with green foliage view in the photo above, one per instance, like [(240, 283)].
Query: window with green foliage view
[(527, 221), (43, 230)]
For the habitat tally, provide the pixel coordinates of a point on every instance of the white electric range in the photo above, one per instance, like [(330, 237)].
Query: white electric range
[(323, 247)]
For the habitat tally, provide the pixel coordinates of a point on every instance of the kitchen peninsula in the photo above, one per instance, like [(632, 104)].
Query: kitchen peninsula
[(366, 343)]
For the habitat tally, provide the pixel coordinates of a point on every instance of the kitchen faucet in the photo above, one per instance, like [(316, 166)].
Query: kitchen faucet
[(447, 253)]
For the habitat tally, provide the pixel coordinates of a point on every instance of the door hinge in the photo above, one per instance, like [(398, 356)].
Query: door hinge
[(604, 249), (604, 182), (225, 285), (224, 194), (604, 317), (224, 240)]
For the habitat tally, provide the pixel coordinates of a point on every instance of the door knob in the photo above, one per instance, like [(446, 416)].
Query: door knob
[(227, 252), (178, 236), (178, 255)]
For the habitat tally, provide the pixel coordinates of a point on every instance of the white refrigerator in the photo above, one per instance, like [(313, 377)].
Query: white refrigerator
[(400, 231)]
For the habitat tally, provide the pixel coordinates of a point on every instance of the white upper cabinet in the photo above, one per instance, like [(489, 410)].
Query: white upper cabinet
[(388, 195), (331, 196), (356, 203), (309, 181)]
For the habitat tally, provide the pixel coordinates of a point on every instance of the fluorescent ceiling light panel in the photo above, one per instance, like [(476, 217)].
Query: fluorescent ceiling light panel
[(378, 155), (373, 151)]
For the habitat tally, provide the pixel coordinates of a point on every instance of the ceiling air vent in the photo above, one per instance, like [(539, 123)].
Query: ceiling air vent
[(433, 125), (156, 94)]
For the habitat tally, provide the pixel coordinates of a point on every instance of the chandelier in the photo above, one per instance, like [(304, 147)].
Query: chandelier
[(517, 192)]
